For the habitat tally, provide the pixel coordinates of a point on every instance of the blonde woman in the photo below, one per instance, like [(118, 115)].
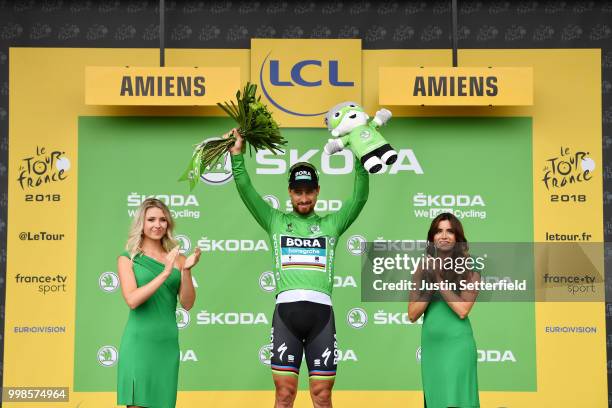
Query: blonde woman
[(152, 274)]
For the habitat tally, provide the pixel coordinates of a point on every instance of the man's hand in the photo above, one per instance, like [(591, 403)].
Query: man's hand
[(238, 146)]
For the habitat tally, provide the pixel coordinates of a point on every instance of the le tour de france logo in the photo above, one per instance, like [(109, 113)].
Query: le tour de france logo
[(568, 166), (44, 166), (301, 79)]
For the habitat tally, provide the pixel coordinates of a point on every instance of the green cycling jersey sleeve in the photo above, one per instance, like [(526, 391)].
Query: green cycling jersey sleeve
[(257, 206), (353, 206)]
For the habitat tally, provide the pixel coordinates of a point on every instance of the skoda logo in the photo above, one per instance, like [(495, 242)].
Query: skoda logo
[(267, 282), (356, 245), (182, 318), (107, 356), (272, 200), (265, 354), (357, 318), (108, 281)]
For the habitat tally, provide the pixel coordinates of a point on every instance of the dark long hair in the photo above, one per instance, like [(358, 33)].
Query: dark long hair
[(460, 249)]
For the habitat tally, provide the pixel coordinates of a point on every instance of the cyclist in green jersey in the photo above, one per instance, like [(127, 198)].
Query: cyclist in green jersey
[(304, 245)]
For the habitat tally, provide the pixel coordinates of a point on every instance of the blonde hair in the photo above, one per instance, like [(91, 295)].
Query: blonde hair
[(134, 241)]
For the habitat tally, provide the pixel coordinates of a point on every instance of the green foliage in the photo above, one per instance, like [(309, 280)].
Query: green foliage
[(255, 124)]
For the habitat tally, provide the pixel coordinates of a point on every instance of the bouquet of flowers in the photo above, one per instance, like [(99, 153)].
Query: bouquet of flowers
[(255, 125)]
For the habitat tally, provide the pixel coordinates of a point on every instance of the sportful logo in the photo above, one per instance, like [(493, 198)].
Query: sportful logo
[(108, 281)]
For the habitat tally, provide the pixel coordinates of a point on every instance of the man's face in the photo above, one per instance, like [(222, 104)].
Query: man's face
[(303, 199)]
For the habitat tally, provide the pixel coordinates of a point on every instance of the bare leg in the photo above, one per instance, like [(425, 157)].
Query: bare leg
[(286, 390), (320, 392)]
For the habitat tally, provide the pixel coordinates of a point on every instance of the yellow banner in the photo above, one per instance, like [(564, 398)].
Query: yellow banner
[(300, 80), (456, 86), (191, 86)]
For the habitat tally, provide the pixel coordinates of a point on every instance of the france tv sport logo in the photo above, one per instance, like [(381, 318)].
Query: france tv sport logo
[(301, 79)]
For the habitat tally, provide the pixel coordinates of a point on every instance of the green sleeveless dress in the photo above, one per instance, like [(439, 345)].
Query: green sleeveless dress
[(149, 352), (448, 358)]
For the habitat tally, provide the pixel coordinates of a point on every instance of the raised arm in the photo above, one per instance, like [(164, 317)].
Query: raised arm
[(353, 206), (135, 296), (258, 207)]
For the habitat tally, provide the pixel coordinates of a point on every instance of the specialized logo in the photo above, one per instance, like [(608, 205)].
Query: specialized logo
[(357, 318), (303, 253), (418, 354), (108, 281), (356, 245), (267, 282), (108, 356), (184, 243), (43, 167), (281, 351), (265, 354), (325, 355), (272, 200), (182, 318), (219, 173)]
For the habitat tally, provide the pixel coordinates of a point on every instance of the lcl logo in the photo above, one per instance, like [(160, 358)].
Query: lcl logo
[(279, 77)]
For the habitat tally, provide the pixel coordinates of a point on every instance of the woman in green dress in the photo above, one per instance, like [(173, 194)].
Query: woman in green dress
[(448, 350), (152, 274)]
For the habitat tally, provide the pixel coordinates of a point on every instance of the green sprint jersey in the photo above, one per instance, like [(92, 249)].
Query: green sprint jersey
[(303, 246)]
